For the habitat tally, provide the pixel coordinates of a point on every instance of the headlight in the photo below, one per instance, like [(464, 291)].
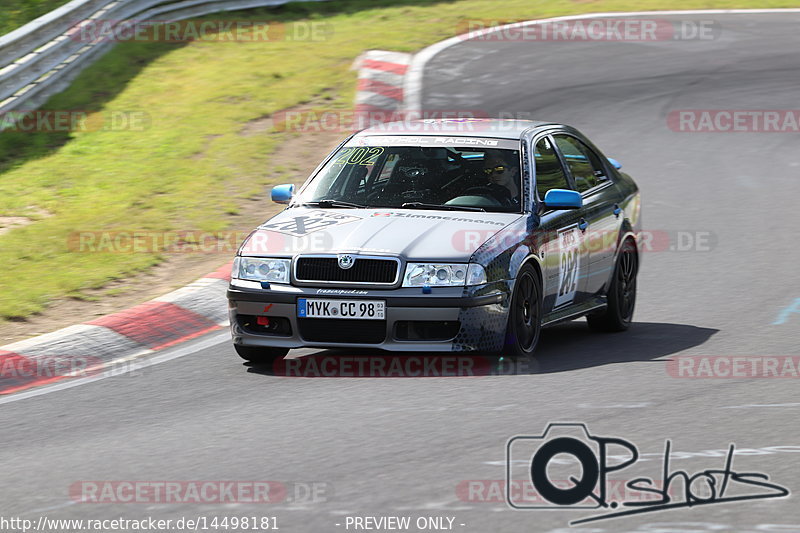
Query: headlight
[(261, 269), (443, 275)]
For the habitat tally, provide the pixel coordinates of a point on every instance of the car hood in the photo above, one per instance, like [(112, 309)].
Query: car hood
[(416, 234)]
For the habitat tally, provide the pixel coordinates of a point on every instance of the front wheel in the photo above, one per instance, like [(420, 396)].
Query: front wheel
[(621, 293), (259, 354), (525, 314)]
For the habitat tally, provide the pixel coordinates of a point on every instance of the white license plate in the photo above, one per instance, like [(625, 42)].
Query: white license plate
[(356, 309)]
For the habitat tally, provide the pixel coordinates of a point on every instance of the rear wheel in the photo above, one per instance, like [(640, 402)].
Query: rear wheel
[(621, 293), (525, 314), (260, 355)]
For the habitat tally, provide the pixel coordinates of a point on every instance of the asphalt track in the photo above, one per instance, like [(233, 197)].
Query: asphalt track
[(402, 446)]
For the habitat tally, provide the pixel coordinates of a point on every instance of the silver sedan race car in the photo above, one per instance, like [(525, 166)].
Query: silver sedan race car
[(426, 237)]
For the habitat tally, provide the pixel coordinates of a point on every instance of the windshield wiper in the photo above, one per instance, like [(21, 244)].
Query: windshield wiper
[(335, 203), (446, 207)]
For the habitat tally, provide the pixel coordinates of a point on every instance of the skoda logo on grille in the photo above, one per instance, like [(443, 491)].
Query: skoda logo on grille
[(346, 261)]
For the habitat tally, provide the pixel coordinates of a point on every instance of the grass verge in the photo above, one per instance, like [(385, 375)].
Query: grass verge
[(15, 13)]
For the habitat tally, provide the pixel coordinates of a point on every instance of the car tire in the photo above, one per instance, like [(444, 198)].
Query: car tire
[(524, 314), (621, 293), (259, 354)]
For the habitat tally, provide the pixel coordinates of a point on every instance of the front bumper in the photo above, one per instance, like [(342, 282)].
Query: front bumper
[(480, 312)]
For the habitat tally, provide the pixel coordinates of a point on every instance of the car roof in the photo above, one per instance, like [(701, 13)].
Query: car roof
[(472, 127)]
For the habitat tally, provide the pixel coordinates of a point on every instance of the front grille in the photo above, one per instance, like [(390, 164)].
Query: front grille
[(342, 330), (363, 271)]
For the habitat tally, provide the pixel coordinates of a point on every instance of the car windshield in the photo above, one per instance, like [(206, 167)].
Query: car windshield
[(420, 177)]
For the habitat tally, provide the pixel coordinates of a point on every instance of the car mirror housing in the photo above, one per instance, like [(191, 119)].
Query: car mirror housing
[(563, 199), (614, 162), (282, 194)]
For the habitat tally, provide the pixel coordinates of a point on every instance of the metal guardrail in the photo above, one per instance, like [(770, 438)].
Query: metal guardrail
[(42, 57)]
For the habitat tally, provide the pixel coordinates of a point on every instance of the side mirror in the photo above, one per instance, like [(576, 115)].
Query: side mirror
[(282, 194), (614, 162), (563, 199)]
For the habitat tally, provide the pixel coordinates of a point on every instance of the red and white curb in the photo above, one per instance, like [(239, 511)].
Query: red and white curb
[(381, 76), (101, 344)]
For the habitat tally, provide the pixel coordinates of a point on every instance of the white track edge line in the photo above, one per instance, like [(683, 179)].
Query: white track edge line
[(412, 86), (137, 365)]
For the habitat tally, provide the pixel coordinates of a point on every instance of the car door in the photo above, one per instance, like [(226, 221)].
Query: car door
[(591, 178), (561, 239)]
